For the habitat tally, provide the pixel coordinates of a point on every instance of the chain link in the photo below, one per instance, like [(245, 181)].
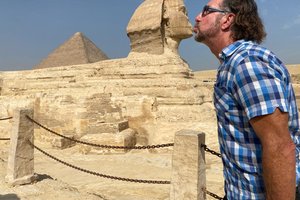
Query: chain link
[(6, 118), (218, 155), (99, 174), (99, 145), (211, 151), (214, 195)]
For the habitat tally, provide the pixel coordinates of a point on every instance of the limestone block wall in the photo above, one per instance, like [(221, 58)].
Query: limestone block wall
[(7, 106), (157, 95)]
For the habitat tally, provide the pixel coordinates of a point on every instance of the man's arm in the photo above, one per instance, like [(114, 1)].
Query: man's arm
[(278, 159)]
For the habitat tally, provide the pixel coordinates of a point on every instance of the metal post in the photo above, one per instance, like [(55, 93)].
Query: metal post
[(188, 180), (20, 168)]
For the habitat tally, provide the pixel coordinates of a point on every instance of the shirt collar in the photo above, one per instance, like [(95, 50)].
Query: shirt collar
[(229, 50)]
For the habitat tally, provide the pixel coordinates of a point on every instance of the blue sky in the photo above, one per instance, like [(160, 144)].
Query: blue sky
[(31, 29)]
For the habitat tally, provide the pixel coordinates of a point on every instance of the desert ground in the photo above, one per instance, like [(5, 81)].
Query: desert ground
[(57, 181)]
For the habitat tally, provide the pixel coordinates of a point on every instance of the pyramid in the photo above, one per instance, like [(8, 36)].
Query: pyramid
[(77, 50)]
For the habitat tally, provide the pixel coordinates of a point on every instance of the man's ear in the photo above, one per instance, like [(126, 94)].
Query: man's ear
[(227, 21)]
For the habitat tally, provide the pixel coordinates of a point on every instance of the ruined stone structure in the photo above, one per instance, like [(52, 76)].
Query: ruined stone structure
[(76, 50), (144, 98), (161, 29)]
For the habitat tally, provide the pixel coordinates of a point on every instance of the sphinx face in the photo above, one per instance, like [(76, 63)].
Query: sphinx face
[(144, 28), (177, 22), (158, 26)]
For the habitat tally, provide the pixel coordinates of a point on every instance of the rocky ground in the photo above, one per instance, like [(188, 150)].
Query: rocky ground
[(57, 181)]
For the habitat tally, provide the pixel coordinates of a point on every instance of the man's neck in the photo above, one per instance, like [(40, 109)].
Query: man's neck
[(217, 44)]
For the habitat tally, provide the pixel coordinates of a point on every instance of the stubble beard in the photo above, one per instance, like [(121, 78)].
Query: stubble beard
[(202, 36), (199, 36)]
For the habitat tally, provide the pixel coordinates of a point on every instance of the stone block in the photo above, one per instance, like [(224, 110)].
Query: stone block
[(108, 127), (125, 138), (20, 165), (63, 143), (188, 166)]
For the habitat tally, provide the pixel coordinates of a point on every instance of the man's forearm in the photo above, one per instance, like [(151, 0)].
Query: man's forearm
[(278, 158), (279, 172)]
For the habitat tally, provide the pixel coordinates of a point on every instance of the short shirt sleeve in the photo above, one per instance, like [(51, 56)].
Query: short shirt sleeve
[(259, 88)]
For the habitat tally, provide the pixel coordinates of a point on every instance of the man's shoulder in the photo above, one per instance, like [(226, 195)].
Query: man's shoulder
[(250, 49), (251, 52)]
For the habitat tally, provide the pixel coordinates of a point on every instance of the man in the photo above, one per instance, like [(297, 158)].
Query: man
[(258, 122)]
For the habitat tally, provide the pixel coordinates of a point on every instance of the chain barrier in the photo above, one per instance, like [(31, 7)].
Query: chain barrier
[(117, 147), (210, 151), (99, 145), (218, 155), (2, 119), (99, 174), (6, 118), (213, 195)]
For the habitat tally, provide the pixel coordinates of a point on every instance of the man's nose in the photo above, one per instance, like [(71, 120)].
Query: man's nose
[(198, 17)]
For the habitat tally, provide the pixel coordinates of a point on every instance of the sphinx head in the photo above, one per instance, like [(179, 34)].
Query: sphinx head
[(176, 24), (158, 26)]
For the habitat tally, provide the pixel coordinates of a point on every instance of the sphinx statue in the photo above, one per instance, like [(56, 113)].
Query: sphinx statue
[(152, 91), (158, 26)]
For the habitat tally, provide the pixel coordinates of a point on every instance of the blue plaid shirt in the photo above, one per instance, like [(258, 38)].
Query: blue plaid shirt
[(251, 82)]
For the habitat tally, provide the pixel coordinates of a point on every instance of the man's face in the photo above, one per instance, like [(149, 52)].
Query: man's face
[(207, 23)]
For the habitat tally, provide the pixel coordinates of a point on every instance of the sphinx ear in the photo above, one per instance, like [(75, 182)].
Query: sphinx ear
[(227, 20)]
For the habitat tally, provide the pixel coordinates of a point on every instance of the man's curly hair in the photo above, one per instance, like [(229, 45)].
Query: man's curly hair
[(247, 24)]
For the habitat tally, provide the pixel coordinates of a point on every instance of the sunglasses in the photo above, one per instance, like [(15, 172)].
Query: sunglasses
[(207, 10)]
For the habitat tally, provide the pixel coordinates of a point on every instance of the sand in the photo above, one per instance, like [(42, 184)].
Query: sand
[(58, 181)]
